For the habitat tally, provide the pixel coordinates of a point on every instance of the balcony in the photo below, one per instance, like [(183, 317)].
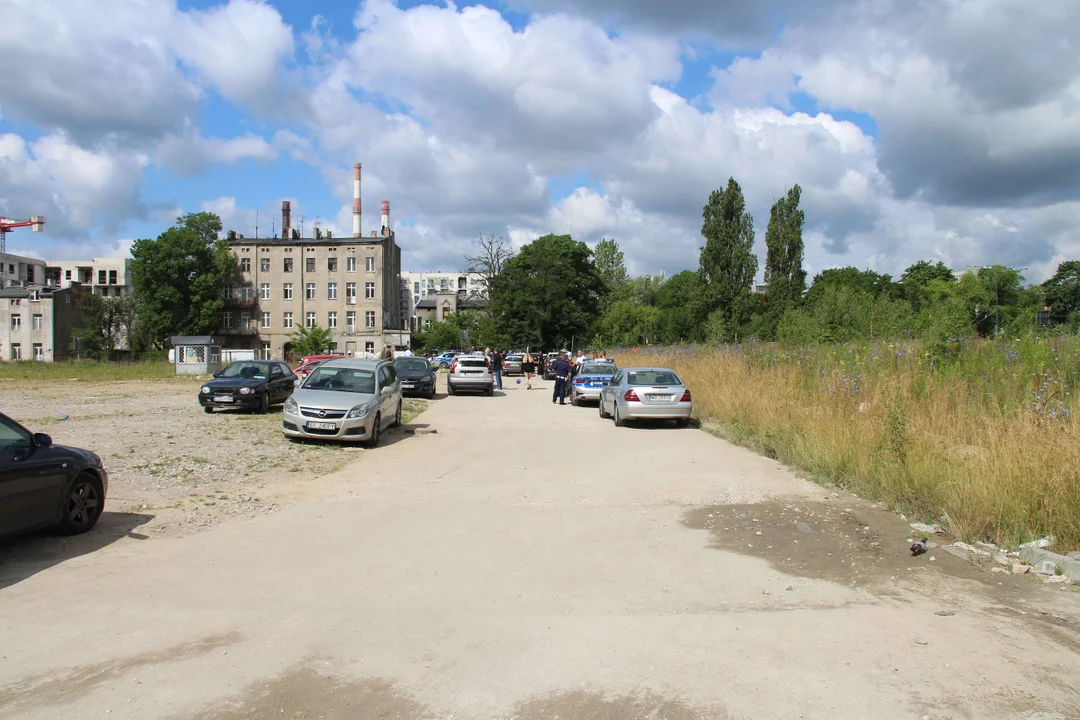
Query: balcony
[(233, 300), (351, 330), (249, 330)]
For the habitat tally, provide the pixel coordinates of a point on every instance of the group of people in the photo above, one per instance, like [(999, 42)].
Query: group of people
[(564, 371), (496, 359)]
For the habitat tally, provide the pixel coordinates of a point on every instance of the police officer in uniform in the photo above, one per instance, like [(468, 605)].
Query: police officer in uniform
[(561, 368)]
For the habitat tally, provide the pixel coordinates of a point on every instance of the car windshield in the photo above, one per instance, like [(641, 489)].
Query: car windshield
[(244, 370), (652, 377), (410, 364), (341, 380), (597, 370), (473, 362)]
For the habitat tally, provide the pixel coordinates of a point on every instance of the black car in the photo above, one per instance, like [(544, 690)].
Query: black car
[(44, 485), (417, 376), (249, 384)]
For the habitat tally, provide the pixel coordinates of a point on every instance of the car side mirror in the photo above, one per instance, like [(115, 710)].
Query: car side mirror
[(388, 391), (42, 440)]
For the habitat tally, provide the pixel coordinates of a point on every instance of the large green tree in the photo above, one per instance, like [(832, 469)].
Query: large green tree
[(784, 274), (180, 276), (918, 276), (1063, 292), (107, 322), (727, 262), (861, 281), (549, 293), (611, 265)]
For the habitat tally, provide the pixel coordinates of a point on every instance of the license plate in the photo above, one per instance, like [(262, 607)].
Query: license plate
[(408, 386), (223, 398), (322, 426), (658, 397)]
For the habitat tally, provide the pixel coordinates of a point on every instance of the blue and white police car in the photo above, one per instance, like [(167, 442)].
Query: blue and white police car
[(590, 378)]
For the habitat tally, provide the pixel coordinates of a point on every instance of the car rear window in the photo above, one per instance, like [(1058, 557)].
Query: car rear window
[(652, 377), (411, 364), (597, 370), (472, 362)]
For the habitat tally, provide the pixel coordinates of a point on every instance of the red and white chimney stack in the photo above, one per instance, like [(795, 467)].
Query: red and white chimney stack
[(356, 201), (385, 217)]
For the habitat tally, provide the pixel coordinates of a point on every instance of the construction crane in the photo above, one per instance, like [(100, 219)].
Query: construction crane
[(35, 223)]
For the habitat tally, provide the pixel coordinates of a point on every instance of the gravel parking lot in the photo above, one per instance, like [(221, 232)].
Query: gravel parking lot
[(174, 470)]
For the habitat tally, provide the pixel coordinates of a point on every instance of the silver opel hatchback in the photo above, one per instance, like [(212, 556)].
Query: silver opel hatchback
[(350, 400)]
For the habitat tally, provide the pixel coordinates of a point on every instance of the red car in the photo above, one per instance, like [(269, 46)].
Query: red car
[(310, 362)]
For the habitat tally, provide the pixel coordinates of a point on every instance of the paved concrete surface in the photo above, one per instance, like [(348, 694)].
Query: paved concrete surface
[(533, 561)]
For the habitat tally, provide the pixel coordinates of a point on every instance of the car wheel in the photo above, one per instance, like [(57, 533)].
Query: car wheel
[(619, 422), (264, 403), (682, 422), (376, 432), (490, 392), (82, 506), (397, 416), (208, 409), (603, 414), (574, 399), (449, 388)]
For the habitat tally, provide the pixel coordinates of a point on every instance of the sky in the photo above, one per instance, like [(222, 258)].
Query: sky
[(918, 129)]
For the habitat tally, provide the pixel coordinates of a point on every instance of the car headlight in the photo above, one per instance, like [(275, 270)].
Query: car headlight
[(290, 406), (360, 411), (205, 391), (246, 391)]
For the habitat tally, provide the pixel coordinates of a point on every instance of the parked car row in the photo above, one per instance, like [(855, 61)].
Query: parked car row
[(637, 393)]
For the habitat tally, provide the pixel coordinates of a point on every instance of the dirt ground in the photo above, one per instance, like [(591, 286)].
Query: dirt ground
[(174, 470)]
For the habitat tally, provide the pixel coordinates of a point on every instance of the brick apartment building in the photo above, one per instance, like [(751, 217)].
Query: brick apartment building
[(351, 285)]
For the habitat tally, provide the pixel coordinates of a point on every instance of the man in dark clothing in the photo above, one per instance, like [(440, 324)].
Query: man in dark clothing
[(496, 367), (561, 368)]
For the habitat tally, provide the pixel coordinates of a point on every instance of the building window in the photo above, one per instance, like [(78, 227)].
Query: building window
[(369, 291), (112, 277), (309, 320), (226, 321), (416, 288), (264, 264), (350, 321), (350, 293), (309, 264), (369, 263), (16, 322), (39, 322), (369, 348), (331, 320), (309, 290), (245, 321), (67, 274), (288, 321), (369, 319), (287, 265), (266, 323), (288, 291), (331, 264), (443, 284), (331, 291), (265, 352), (264, 291), (39, 351), (101, 277), (350, 264), (16, 351), (245, 264), (35, 296)]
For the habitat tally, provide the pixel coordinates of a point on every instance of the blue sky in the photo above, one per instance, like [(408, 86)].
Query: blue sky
[(594, 118)]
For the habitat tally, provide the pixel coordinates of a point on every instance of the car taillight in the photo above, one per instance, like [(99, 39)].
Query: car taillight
[(630, 396), (685, 396), (453, 366), (488, 363)]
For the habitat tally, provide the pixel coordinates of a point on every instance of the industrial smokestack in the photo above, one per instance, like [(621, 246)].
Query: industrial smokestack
[(356, 201), (286, 218), (385, 216)]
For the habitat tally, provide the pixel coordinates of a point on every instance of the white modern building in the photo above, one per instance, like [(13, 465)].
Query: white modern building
[(465, 284), (19, 271), (103, 276)]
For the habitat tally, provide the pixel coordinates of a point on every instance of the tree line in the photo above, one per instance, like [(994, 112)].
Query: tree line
[(556, 292)]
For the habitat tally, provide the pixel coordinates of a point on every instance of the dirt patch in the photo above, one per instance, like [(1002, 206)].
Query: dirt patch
[(580, 705), (169, 460), (806, 539), (80, 681), (304, 692)]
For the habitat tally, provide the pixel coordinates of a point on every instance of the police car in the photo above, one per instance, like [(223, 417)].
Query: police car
[(590, 378)]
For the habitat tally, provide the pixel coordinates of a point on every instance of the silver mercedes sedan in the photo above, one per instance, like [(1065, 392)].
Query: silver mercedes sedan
[(350, 400), (641, 393)]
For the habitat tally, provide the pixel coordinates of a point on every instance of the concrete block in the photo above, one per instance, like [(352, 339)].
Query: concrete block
[(1049, 563)]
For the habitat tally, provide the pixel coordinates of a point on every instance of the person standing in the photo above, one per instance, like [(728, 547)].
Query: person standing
[(496, 367), (528, 367), (561, 369)]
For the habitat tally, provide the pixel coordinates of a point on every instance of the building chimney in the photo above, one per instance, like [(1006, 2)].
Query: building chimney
[(356, 201), (286, 218), (385, 215)]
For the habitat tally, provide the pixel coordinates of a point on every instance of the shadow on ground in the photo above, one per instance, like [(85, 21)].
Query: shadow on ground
[(24, 557)]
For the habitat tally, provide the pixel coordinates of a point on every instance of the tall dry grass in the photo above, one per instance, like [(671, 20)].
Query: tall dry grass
[(985, 441)]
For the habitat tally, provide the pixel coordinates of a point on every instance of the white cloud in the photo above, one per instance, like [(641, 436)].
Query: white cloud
[(190, 154)]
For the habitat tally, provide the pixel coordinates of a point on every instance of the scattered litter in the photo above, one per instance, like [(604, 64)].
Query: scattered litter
[(62, 417), (928, 529), (921, 642), (1040, 543), (944, 613)]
